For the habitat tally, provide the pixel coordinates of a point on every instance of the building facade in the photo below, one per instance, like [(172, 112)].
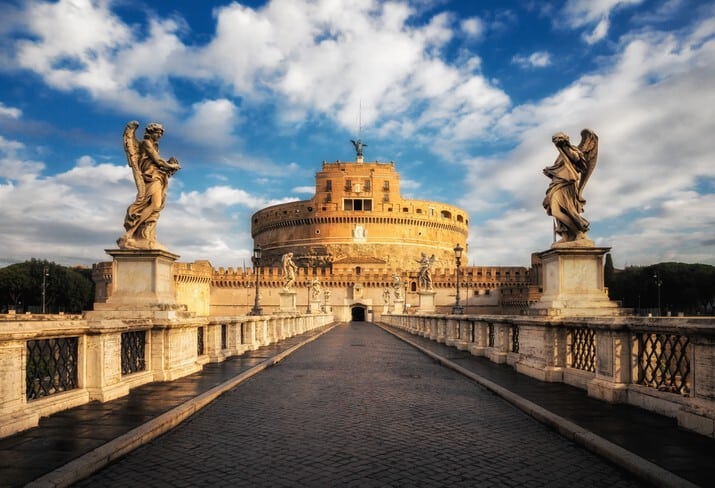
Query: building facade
[(362, 244)]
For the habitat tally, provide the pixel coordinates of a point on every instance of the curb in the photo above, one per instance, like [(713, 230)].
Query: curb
[(634, 464), (91, 462)]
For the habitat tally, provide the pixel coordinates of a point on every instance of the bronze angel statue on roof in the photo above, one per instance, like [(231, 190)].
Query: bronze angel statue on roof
[(569, 174), (151, 175)]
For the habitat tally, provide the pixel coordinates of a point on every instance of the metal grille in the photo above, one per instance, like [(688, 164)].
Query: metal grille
[(200, 341), (133, 351), (490, 335), (51, 366), (514, 338), (583, 348), (224, 336), (663, 362)]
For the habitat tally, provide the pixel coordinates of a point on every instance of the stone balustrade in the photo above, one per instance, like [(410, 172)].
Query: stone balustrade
[(665, 365), (51, 365)]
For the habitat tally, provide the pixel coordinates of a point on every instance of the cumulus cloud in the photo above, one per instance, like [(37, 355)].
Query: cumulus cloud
[(539, 59), (315, 58), (595, 14), (646, 107), (212, 123), (10, 112), (472, 27)]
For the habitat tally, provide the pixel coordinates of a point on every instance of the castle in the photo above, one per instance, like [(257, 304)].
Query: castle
[(362, 243)]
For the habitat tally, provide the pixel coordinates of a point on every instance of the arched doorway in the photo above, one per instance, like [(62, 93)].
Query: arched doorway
[(357, 313)]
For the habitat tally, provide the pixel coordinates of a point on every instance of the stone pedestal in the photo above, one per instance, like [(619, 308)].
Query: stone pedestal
[(314, 306), (142, 279), (398, 306), (572, 279), (426, 301), (287, 302)]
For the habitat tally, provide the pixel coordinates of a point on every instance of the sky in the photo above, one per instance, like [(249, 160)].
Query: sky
[(463, 96)]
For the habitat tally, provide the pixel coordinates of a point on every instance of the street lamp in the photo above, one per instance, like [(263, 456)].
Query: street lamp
[(457, 309), (45, 274), (658, 283), (256, 259)]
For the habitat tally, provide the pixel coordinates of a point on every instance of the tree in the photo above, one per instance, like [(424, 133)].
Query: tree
[(66, 289), (687, 288)]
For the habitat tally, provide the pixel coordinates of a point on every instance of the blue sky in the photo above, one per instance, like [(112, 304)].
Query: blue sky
[(463, 96)]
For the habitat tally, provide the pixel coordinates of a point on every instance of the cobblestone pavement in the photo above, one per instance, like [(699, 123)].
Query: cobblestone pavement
[(358, 407)]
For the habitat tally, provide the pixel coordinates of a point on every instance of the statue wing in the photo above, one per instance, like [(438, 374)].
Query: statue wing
[(131, 148), (589, 149)]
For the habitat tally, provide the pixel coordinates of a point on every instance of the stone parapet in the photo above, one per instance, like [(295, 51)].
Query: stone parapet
[(663, 365), (47, 366)]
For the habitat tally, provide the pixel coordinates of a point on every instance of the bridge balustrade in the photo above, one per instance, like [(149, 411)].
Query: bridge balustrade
[(49, 365), (662, 364)]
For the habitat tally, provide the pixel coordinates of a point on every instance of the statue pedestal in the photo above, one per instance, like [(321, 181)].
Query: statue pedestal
[(426, 301), (398, 306), (314, 306), (572, 279), (142, 279), (287, 302)]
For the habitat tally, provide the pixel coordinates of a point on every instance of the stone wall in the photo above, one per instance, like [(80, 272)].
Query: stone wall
[(663, 365)]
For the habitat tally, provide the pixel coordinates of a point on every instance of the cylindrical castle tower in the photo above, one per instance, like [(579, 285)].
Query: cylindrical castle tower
[(358, 215)]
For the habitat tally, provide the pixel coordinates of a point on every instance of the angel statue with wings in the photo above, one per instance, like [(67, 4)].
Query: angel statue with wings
[(564, 197), (425, 273), (151, 175)]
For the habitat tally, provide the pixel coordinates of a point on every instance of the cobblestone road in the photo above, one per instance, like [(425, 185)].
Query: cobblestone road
[(358, 407)]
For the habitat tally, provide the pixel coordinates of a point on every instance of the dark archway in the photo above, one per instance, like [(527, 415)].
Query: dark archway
[(358, 313)]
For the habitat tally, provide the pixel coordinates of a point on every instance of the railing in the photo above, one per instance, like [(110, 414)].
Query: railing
[(133, 351), (664, 362), (582, 348), (660, 364), (53, 365)]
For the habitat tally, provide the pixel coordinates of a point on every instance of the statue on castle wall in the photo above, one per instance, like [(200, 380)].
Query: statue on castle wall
[(315, 290), (397, 286), (569, 174), (425, 273), (358, 147), (289, 269), (151, 175)]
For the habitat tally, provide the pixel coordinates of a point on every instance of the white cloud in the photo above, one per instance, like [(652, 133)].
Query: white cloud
[(311, 57), (582, 13), (212, 123), (472, 27), (310, 190), (539, 59), (10, 112), (647, 109)]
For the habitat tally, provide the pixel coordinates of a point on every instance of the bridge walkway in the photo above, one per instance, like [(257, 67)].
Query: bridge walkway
[(357, 407)]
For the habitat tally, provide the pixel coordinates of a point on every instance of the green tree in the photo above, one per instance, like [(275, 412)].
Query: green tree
[(66, 289), (687, 288)]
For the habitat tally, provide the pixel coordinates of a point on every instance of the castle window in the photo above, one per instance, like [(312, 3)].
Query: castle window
[(445, 214), (386, 185), (348, 185), (386, 197), (405, 209), (358, 204), (419, 211), (366, 185), (357, 270), (460, 218), (328, 185)]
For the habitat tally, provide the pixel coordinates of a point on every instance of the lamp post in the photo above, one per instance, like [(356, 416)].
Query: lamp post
[(256, 259), (658, 283), (458, 309), (45, 274)]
